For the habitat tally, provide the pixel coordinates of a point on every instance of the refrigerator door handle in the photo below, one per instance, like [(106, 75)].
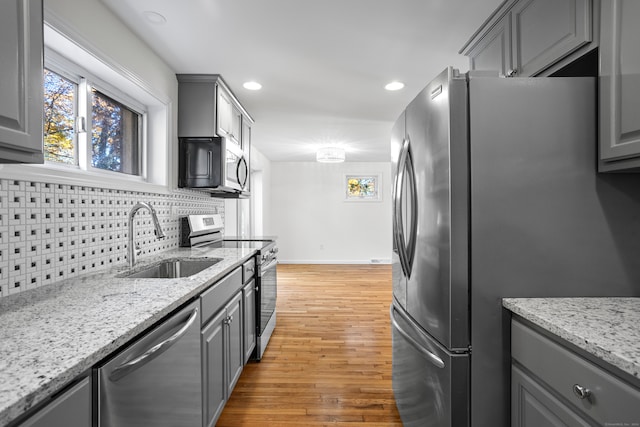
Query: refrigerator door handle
[(438, 362), (406, 252)]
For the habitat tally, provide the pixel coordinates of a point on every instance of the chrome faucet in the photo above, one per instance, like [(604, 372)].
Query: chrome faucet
[(158, 230)]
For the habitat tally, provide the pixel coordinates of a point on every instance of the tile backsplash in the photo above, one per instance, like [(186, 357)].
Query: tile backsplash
[(51, 232)]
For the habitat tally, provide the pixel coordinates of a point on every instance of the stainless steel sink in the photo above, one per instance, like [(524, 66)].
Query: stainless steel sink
[(173, 268)]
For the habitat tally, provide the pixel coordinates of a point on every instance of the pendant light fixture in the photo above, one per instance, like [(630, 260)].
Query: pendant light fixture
[(330, 155)]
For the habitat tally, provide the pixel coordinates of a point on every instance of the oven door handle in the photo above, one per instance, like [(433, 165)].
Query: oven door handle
[(263, 270)]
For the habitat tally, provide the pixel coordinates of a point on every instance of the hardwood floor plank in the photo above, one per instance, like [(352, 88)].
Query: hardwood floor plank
[(329, 359)]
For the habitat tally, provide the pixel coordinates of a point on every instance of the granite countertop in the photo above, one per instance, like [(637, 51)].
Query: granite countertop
[(51, 335), (608, 328)]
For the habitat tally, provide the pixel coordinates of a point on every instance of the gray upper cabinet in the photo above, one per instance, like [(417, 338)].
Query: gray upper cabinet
[(545, 31), (493, 51), (619, 85), (228, 116), (21, 91), (525, 37), (207, 107)]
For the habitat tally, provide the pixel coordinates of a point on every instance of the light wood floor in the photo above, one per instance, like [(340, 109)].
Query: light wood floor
[(329, 360)]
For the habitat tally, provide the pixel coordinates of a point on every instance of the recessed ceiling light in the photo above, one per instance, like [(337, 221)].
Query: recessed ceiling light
[(154, 17), (252, 86), (394, 86)]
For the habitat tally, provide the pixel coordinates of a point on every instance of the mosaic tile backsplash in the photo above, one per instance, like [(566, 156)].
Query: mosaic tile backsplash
[(51, 232)]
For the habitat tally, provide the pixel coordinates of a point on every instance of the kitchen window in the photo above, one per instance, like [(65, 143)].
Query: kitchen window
[(115, 135), (103, 127), (362, 188)]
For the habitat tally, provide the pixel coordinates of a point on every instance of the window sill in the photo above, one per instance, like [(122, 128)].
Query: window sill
[(52, 174)]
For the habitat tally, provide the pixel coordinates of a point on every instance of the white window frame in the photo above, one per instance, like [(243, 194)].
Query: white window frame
[(71, 59), (377, 197), (86, 82)]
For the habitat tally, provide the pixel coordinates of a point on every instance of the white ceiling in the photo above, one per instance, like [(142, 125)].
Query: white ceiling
[(323, 64)]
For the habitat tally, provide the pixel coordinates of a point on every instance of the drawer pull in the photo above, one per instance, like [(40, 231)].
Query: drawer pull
[(581, 392)]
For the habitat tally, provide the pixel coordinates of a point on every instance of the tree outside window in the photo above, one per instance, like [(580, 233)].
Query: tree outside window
[(59, 119), (115, 133)]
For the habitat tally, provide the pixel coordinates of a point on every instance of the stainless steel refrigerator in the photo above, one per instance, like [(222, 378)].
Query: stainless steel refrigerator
[(495, 195)]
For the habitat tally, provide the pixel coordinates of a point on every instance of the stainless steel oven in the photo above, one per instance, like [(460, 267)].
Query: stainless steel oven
[(266, 294), (206, 230)]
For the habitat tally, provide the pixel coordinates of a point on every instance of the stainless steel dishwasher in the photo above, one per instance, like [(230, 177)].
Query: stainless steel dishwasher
[(156, 381)]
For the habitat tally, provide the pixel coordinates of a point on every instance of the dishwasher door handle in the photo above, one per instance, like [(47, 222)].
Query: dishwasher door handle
[(155, 351)]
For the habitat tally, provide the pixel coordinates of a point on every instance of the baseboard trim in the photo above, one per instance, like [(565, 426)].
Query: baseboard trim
[(342, 261)]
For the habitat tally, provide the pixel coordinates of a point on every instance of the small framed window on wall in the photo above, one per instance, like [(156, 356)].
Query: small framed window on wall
[(363, 188)]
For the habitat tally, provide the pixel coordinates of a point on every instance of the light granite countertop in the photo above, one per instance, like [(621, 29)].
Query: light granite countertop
[(607, 328), (51, 335)]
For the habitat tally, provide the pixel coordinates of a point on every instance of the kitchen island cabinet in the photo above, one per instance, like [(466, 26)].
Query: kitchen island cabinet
[(619, 86), (568, 367), (525, 37), (21, 91)]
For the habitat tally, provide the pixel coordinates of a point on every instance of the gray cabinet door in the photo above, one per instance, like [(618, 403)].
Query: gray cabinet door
[(21, 91), (235, 341), (70, 409), (249, 324), (213, 368), (493, 51), (545, 31), (619, 85), (533, 406)]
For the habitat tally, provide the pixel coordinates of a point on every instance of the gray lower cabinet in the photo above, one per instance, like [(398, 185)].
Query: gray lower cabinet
[(21, 91), (72, 408), (222, 358), (534, 406), (619, 85), (524, 37), (554, 386)]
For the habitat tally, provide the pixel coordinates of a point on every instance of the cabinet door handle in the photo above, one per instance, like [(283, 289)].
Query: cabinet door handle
[(581, 392)]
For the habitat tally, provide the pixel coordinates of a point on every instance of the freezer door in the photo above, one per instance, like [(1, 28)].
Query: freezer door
[(437, 288), (430, 385)]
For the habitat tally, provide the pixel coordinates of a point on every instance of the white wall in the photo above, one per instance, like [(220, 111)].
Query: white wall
[(261, 204), (315, 224), (96, 29)]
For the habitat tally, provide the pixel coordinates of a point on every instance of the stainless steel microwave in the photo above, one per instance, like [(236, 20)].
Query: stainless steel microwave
[(213, 164)]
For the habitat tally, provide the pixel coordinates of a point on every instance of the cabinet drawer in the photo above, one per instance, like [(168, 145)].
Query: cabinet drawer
[(213, 299), (611, 400), (248, 270)]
